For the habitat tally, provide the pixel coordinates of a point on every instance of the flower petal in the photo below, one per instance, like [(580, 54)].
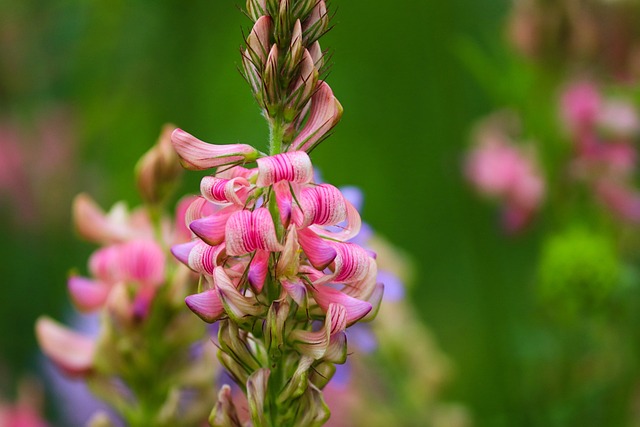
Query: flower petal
[(325, 296), (247, 231), (296, 290), (294, 166), (343, 231), (181, 252), (206, 305), (87, 294), (199, 155), (322, 205), (324, 114), (203, 258), (93, 224), (235, 304), (211, 228), (319, 251), (70, 351), (222, 190), (258, 270)]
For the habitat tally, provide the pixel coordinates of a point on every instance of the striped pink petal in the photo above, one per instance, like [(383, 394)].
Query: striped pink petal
[(70, 351), (255, 56), (199, 208), (322, 205), (258, 270), (204, 258), (320, 252), (325, 296), (307, 80), (236, 305), (324, 114), (222, 190), (293, 166), (247, 231), (199, 155), (211, 228), (347, 230), (364, 287), (337, 348), (87, 295), (375, 300), (206, 305)]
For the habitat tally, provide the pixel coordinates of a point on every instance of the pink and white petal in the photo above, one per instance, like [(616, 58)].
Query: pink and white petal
[(71, 352), (324, 114), (199, 155), (375, 300), (105, 266), (365, 287), (265, 231), (320, 252), (222, 190), (350, 229), (204, 258), (181, 252), (87, 295), (325, 296), (322, 205), (258, 40), (238, 233), (258, 270), (206, 305), (296, 290), (294, 166), (211, 229), (235, 304), (352, 263)]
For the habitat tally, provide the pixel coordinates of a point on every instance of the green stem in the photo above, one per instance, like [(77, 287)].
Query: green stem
[(275, 137)]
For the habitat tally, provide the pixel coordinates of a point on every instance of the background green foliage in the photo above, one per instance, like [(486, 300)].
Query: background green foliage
[(402, 74)]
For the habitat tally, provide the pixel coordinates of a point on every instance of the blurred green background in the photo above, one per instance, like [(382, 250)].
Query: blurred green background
[(121, 69)]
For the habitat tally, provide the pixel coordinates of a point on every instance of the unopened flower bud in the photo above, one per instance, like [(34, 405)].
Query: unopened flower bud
[(256, 8), (158, 169), (316, 23), (322, 374), (298, 383), (224, 414), (256, 395)]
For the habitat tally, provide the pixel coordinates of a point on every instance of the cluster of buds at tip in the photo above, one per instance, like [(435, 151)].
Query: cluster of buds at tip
[(283, 63), (278, 269)]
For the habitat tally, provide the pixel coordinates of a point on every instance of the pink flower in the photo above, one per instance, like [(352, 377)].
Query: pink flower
[(503, 171), (71, 352), (580, 105)]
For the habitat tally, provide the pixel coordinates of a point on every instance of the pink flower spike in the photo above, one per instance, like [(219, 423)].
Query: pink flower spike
[(211, 229), (324, 114), (221, 190), (258, 270), (199, 155), (247, 231), (293, 166), (356, 309), (181, 252), (206, 305), (322, 205), (143, 261), (88, 295), (319, 251), (70, 351)]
